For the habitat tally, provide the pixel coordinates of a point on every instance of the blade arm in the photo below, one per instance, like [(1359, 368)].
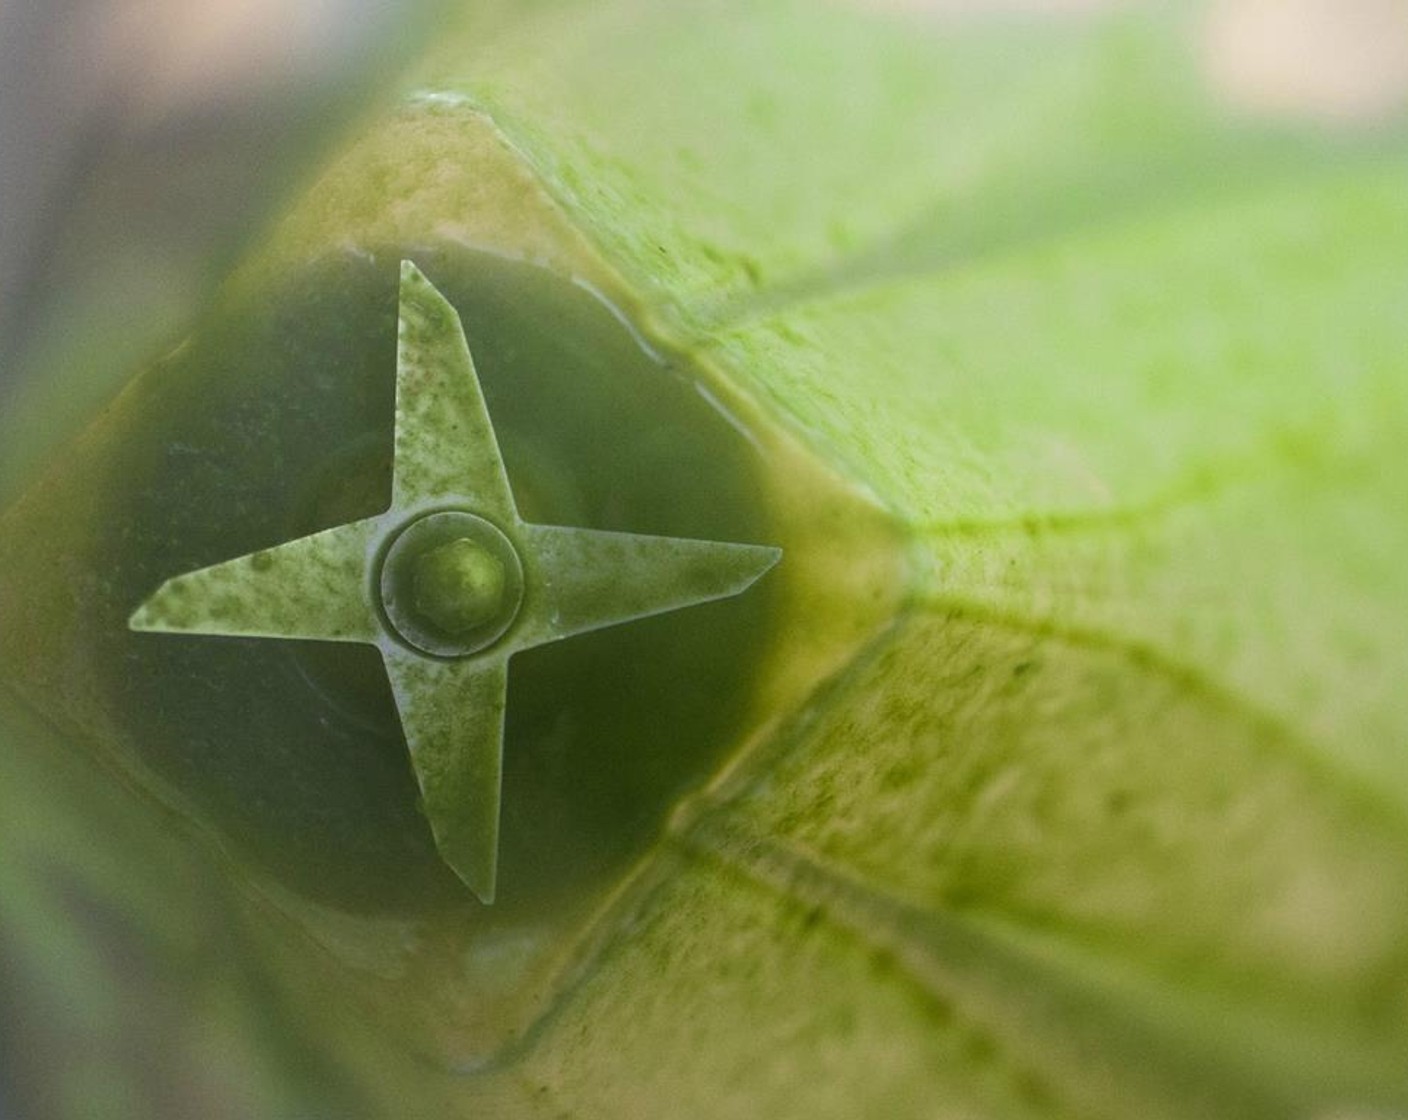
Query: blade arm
[(444, 439), (453, 716), (314, 587), (582, 579)]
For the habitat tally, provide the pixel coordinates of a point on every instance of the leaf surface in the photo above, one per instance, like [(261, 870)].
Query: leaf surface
[(1113, 822)]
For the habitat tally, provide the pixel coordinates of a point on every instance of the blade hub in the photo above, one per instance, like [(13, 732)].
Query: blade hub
[(451, 584)]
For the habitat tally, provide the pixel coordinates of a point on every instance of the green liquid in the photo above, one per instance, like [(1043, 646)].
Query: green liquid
[(275, 420)]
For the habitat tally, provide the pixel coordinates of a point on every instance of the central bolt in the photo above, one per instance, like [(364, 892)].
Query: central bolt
[(451, 584), (458, 585)]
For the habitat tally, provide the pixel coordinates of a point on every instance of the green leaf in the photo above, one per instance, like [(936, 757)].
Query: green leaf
[(1113, 821)]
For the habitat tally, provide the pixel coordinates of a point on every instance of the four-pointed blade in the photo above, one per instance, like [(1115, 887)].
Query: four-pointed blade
[(315, 587), (452, 711), (583, 579), (453, 716), (444, 441)]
